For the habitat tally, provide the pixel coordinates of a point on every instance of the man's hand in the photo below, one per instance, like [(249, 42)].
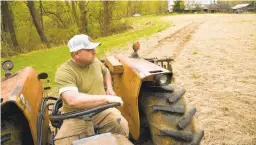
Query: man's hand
[(114, 99), (111, 92)]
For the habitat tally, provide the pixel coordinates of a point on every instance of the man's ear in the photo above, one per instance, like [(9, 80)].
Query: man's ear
[(76, 54)]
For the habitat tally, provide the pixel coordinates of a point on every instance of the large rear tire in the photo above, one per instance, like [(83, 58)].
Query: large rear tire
[(170, 121)]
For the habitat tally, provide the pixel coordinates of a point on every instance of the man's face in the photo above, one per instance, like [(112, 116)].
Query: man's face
[(86, 56)]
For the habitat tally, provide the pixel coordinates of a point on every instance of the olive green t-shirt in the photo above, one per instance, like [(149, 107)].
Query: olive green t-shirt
[(87, 79)]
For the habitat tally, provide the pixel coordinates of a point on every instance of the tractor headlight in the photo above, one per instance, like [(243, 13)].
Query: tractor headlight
[(162, 79), (7, 65)]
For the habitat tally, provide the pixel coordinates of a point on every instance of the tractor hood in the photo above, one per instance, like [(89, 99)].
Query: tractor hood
[(25, 90), (12, 87), (143, 68)]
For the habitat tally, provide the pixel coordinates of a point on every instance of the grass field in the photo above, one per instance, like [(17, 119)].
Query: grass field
[(48, 60)]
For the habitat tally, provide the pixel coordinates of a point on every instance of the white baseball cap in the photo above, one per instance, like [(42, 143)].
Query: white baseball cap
[(81, 41)]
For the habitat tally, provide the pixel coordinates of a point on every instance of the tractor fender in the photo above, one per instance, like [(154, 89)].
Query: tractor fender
[(127, 85), (25, 90)]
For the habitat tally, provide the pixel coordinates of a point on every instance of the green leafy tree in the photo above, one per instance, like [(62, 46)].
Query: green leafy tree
[(178, 6), (8, 24), (28, 25)]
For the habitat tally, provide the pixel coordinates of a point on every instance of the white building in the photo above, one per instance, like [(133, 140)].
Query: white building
[(194, 4), (170, 5), (201, 2), (191, 4)]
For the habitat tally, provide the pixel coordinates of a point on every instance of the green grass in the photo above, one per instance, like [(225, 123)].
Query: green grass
[(118, 40), (48, 60)]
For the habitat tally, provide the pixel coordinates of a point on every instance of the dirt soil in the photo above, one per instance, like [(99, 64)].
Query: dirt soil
[(215, 61)]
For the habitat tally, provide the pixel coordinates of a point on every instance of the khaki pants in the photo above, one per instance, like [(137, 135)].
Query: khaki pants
[(109, 120)]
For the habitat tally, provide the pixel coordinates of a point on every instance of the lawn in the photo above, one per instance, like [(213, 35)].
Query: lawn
[(48, 60)]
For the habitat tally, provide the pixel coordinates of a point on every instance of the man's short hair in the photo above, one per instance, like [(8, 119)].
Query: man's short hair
[(72, 54)]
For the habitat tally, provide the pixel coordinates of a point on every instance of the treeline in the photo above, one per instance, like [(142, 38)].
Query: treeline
[(31, 25)]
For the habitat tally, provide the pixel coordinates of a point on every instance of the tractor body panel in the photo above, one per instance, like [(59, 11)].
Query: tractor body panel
[(25, 90), (128, 83)]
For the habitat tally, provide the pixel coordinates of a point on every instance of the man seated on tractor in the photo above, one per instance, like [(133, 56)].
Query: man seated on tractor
[(80, 81)]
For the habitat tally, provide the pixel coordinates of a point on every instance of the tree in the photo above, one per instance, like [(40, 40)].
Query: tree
[(137, 7), (41, 14), (73, 3), (162, 7), (128, 13), (83, 20), (27, 24), (36, 22), (56, 15), (7, 22), (178, 6), (107, 17)]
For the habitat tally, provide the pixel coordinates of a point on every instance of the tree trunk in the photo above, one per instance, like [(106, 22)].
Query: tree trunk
[(137, 7), (106, 18), (36, 22), (160, 8), (128, 8), (41, 15), (83, 20), (74, 13), (4, 12), (8, 23)]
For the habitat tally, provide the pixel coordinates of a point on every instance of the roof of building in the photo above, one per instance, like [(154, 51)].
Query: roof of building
[(217, 7), (239, 6), (214, 6), (225, 6)]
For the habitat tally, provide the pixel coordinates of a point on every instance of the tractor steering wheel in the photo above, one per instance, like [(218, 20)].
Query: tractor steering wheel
[(57, 118)]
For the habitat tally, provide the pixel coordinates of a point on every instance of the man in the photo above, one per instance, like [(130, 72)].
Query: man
[(80, 81)]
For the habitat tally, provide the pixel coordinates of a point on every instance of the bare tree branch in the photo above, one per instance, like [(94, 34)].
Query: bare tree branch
[(57, 16), (41, 15)]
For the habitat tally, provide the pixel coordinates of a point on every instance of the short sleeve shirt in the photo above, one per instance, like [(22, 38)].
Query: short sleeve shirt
[(89, 79)]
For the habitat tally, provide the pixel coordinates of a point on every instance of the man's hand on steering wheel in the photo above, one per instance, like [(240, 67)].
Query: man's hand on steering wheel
[(114, 99)]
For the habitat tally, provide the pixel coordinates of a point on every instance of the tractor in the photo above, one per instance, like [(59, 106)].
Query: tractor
[(155, 108)]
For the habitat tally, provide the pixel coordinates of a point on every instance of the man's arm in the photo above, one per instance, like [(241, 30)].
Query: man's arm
[(85, 101), (108, 83)]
